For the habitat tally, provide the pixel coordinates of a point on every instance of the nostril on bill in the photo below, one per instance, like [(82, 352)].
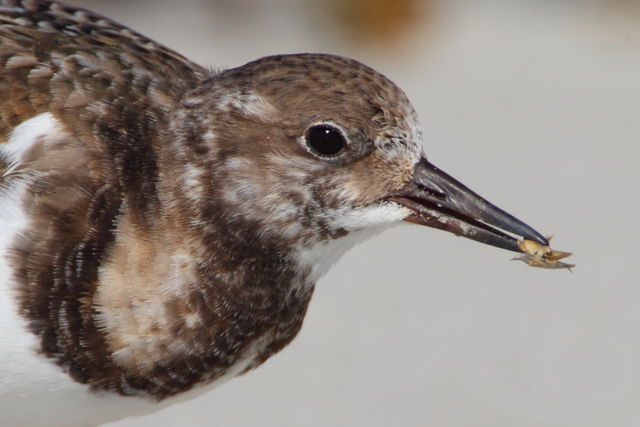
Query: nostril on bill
[(432, 192)]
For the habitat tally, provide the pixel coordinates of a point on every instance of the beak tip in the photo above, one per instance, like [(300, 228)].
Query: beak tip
[(538, 238)]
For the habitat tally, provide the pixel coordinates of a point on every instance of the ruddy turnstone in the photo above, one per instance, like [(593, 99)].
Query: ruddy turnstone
[(162, 226)]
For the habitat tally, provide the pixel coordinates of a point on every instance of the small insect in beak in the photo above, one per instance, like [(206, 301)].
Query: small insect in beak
[(537, 255)]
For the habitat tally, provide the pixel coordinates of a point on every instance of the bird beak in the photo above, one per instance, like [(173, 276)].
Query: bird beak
[(440, 201)]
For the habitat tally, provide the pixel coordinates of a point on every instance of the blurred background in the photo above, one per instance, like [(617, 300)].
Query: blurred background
[(536, 106)]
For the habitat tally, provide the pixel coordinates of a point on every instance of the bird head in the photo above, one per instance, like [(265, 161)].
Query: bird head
[(318, 151)]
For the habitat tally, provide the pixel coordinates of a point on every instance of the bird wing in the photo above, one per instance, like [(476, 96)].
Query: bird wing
[(84, 105), (75, 63)]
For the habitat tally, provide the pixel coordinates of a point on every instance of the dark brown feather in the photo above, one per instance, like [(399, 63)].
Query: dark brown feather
[(167, 213)]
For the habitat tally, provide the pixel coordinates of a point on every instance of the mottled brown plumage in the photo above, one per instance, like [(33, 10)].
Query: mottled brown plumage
[(167, 224), (177, 192)]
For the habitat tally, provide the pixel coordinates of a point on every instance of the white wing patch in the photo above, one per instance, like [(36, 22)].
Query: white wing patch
[(12, 185), (27, 134)]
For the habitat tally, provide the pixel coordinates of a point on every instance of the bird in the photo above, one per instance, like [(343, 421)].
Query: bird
[(163, 225)]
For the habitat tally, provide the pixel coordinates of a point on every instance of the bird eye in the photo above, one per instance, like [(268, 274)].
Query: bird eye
[(325, 140)]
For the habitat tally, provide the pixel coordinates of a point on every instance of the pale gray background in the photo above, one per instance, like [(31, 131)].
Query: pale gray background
[(536, 105)]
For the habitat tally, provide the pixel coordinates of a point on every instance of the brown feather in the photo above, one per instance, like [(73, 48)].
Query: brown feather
[(168, 210)]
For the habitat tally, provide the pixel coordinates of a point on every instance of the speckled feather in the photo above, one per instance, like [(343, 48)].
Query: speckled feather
[(176, 217)]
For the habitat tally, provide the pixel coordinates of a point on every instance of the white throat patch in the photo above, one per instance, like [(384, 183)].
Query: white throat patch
[(361, 224)]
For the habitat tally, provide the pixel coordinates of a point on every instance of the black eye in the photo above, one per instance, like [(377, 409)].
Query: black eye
[(325, 140)]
